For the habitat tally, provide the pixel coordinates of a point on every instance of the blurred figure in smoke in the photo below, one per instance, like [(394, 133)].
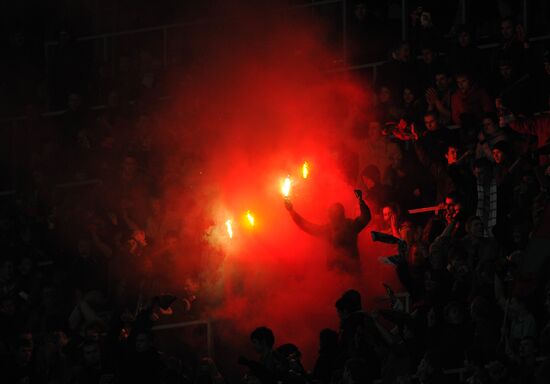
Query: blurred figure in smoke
[(371, 184), (328, 359), (358, 336), (340, 231), (272, 365)]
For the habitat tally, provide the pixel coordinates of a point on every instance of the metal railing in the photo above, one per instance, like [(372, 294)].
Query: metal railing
[(209, 333), (165, 30), (372, 66), (404, 297), (376, 65)]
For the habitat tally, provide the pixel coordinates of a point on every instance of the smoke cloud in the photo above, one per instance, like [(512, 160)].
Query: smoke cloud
[(255, 101)]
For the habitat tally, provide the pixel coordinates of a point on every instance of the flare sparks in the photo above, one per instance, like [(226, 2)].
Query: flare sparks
[(250, 218), (305, 170), (229, 227), (285, 188)]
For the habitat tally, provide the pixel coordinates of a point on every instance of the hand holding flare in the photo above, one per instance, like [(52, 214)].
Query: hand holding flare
[(286, 186)]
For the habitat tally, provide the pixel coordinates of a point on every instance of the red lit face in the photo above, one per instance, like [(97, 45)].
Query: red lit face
[(384, 95), (387, 213), (408, 96), (368, 182), (452, 155), (442, 82), (489, 126), (430, 122), (498, 156), (404, 53), (463, 84)]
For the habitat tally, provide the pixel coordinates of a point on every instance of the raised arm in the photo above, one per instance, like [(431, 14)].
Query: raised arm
[(524, 126), (364, 218), (303, 224), (435, 103)]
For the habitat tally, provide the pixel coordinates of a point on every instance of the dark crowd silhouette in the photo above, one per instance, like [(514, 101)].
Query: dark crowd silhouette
[(455, 127)]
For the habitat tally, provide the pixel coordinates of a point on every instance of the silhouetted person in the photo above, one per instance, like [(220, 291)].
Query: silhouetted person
[(93, 369), (142, 363), (356, 372), (340, 231), (358, 336), (272, 365), (328, 360)]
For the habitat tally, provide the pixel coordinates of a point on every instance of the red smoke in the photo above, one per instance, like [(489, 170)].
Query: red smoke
[(256, 102)]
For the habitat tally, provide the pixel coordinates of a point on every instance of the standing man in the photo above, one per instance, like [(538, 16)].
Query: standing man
[(340, 231)]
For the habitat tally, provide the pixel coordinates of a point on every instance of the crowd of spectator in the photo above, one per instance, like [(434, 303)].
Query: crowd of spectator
[(454, 127)]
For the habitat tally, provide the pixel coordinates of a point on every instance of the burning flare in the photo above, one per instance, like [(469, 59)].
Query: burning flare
[(229, 228), (305, 170), (250, 218), (285, 188)]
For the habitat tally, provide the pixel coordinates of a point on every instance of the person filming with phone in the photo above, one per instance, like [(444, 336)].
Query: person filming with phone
[(340, 231)]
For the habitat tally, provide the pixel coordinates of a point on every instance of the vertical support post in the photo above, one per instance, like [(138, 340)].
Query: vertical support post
[(525, 15), (48, 78), (115, 57), (14, 157), (46, 58), (164, 47), (404, 20), (105, 50), (344, 30), (209, 338), (463, 11)]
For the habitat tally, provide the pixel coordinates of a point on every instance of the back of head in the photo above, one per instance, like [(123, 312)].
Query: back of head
[(263, 335), (350, 301), (328, 340), (336, 213), (371, 172), (289, 350)]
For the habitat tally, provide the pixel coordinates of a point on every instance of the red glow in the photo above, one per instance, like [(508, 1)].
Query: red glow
[(250, 218), (229, 227), (305, 170), (248, 113), (286, 186)]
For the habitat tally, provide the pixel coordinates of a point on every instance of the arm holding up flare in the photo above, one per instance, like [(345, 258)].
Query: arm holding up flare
[(364, 218), (306, 226)]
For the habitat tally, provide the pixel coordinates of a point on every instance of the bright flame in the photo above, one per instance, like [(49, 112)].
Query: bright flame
[(305, 170), (250, 218), (285, 188), (229, 228)]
